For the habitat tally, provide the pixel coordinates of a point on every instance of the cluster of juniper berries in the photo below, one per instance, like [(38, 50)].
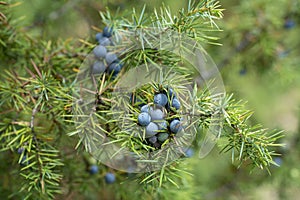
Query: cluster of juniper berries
[(158, 118), (105, 61)]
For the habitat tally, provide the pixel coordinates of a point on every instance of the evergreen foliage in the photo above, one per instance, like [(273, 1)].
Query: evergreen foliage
[(42, 106)]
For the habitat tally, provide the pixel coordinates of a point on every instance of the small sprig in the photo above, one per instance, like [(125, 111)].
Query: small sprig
[(248, 142), (194, 21)]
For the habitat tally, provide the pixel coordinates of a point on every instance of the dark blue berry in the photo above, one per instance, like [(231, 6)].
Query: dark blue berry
[(243, 71), (151, 129), (110, 58), (93, 169), (278, 161), (152, 139), (176, 103), (98, 67), (110, 178), (23, 161), (162, 125), (100, 51), (175, 126), (289, 23), (171, 92), (160, 99), (189, 152), (107, 32), (98, 36), (146, 108), (156, 114), (114, 68), (21, 150), (144, 119), (104, 41), (162, 137)]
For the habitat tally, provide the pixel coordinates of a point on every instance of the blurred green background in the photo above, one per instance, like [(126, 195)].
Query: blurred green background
[(259, 61)]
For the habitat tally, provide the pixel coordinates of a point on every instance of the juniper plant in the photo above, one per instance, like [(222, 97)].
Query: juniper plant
[(48, 93)]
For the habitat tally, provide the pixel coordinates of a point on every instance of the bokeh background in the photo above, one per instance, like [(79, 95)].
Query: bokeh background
[(259, 60)]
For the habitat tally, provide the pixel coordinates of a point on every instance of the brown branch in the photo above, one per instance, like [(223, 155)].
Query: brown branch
[(3, 3), (36, 69)]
